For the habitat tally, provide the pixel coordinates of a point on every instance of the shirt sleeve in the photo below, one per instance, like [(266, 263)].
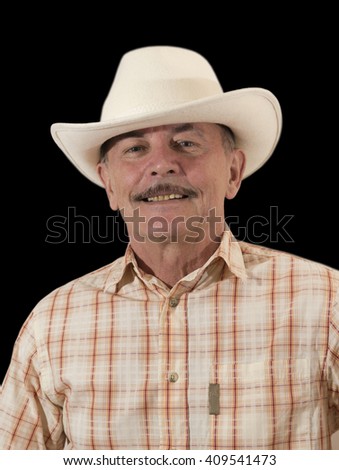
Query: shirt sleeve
[(28, 419), (333, 366)]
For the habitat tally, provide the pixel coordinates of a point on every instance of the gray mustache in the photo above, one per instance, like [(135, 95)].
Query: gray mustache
[(164, 188)]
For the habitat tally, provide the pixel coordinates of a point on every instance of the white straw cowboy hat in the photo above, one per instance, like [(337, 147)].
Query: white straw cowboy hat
[(160, 85)]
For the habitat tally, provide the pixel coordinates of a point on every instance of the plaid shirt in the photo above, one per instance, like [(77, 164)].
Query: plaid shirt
[(117, 360)]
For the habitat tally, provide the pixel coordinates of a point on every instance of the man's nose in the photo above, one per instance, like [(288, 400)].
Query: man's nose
[(164, 162)]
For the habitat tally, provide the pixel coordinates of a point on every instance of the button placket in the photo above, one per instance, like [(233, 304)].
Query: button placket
[(172, 375), (174, 394)]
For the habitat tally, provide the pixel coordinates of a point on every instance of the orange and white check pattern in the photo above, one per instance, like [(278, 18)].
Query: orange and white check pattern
[(117, 360)]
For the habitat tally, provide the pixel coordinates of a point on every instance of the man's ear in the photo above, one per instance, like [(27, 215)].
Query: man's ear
[(236, 171), (104, 174)]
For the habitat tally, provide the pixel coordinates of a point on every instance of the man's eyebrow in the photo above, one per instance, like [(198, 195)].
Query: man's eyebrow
[(183, 128), (126, 135), (187, 127), (108, 144)]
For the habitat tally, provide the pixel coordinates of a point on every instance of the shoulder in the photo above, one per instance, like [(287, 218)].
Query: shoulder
[(69, 309), (83, 290), (263, 259)]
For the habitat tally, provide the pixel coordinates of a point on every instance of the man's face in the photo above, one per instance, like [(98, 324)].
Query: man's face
[(171, 178)]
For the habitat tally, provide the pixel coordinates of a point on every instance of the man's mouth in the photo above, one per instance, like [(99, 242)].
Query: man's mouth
[(164, 197)]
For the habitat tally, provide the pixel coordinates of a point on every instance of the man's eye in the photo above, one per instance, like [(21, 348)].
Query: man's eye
[(185, 143), (134, 149)]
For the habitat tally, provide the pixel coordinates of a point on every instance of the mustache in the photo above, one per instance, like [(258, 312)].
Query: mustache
[(164, 188)]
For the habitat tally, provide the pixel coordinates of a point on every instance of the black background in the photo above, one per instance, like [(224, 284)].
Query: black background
[(59, 68)]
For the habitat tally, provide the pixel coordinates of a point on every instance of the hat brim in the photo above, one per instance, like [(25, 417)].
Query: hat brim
[(253, 114)]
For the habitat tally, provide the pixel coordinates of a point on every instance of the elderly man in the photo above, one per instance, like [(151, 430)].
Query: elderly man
[(192, 340)]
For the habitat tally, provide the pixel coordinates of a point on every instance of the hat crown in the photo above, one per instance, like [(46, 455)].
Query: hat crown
[(151, 78)]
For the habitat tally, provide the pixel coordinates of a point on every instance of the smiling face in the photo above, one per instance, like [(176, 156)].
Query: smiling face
[(171, 177)]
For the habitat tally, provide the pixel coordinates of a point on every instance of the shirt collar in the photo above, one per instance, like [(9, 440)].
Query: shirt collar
[(229, 251)]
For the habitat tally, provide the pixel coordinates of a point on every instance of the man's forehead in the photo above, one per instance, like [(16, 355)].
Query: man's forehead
[(172, 128)]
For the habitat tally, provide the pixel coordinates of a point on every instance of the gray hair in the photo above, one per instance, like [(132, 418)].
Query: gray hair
[(227, 137)]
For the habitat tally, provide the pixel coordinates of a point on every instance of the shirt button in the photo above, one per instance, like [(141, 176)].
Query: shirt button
[(173, 302), (173, 377)]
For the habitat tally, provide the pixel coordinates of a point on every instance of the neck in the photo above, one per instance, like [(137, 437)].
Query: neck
[(170, 261)]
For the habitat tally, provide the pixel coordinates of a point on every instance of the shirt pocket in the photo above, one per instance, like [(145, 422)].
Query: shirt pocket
[(265, 402)]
